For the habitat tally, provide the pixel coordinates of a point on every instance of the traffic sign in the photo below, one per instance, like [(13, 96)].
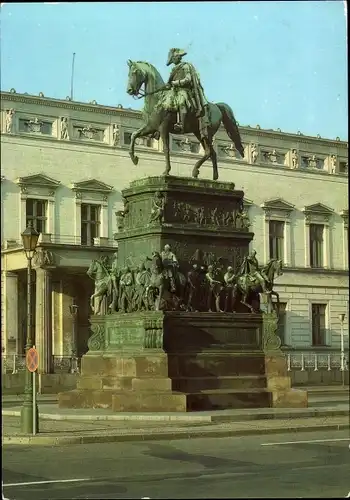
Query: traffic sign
[(32, 359)]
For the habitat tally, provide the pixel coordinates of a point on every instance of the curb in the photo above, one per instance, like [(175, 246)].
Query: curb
[(239, 417), (112, 438)]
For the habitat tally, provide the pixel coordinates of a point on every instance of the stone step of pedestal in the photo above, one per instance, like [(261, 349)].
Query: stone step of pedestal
[(79, 398), (204, 400), (223, 399), (195, 384), (203, 364)]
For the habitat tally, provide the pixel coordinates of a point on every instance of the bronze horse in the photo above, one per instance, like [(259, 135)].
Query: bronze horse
[(161, 122), (244, 287), (158, 290)]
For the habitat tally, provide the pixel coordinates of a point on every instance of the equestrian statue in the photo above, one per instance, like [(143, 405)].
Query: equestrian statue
[(179, 107)]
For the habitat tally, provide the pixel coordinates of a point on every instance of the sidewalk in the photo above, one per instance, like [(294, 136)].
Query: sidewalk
[(49, 411), (67, 432)]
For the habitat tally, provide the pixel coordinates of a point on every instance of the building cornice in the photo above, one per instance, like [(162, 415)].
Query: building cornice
[(130, 113), (71, 105)]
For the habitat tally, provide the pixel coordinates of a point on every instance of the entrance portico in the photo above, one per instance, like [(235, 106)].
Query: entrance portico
[(59, 280)]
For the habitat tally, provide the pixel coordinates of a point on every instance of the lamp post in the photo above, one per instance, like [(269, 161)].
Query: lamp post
[(342, 354), (30, 240), (73, 308)]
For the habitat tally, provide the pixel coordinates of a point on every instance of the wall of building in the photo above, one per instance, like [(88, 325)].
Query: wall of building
[(71, 162)]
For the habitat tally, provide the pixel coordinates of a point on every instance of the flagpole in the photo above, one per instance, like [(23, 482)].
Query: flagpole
[(72, 78)]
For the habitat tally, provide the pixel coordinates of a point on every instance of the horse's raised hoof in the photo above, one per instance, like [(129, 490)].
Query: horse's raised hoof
[(134, 159), (195, 173), (215, 176)]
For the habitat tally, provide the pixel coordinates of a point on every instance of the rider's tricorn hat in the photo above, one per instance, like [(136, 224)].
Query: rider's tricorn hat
[(174, 52)]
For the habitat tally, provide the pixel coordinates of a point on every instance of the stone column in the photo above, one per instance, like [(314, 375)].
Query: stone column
[(307, 243), (43, 319), (287, 259), (9, 305), (327, 258)]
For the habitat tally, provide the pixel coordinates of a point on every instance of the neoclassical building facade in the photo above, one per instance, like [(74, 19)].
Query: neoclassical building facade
[(63, 166)]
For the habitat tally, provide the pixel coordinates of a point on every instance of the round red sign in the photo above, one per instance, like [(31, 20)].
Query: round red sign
[(32, 359)]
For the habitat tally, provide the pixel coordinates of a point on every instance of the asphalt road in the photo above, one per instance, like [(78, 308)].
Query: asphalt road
[(286, 466)]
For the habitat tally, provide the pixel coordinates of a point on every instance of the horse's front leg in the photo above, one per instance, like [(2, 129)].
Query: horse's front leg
[(141, 132), (164, 133), (207, 153), (275, 294)]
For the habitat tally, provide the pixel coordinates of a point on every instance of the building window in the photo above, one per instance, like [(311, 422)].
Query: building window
[(276, 232), (316, 245), (281, 323), (90, 223), (36, 214), (343, 167), (318, 313)]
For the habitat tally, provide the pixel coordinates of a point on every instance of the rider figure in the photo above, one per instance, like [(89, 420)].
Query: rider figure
[(251, 268), (171, 265), (185, 92)]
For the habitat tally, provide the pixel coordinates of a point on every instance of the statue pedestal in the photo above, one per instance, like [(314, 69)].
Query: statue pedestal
[(180, 361), (176, 360), (278, 381)]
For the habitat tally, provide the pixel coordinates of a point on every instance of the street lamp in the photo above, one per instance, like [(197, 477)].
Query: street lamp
[(30, 240), (342, 354), (73, 308)]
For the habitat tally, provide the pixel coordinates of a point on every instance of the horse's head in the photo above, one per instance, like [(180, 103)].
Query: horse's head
[(142, 73), (274, 268), (136, 78), (92, 268)]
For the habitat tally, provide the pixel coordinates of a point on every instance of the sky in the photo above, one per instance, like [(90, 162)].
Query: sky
[(278, 64)]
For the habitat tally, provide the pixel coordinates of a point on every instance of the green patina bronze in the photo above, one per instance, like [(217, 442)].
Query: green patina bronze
[(180, 249), (179, 107)]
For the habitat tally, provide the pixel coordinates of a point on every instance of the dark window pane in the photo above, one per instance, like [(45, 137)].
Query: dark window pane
[(318, 312), (40, 225), (40, 208), (95, 230), (316, 245), (29, 207), (84, 233), (276, 238), (95, 212), (84, 212)]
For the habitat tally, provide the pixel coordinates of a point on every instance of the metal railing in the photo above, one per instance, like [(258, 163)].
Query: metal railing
[(15, 363), (296, 361), (306, 360)]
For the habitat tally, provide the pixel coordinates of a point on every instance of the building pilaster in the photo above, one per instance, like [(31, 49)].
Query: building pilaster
[(43, 319)]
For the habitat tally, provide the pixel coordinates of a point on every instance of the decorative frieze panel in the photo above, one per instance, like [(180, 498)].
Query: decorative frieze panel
[(143, 142), (88, 133), (184, 145), (273, 156), (227, 150), (312, 162), (217, 216), (35, 125)]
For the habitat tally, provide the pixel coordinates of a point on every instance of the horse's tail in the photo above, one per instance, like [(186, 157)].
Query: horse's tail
[(230, 124)]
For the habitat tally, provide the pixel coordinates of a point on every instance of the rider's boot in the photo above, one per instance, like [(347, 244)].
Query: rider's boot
[(179, 126)]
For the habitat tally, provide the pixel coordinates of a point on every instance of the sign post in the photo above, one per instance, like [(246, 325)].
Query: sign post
[(32, 361)]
